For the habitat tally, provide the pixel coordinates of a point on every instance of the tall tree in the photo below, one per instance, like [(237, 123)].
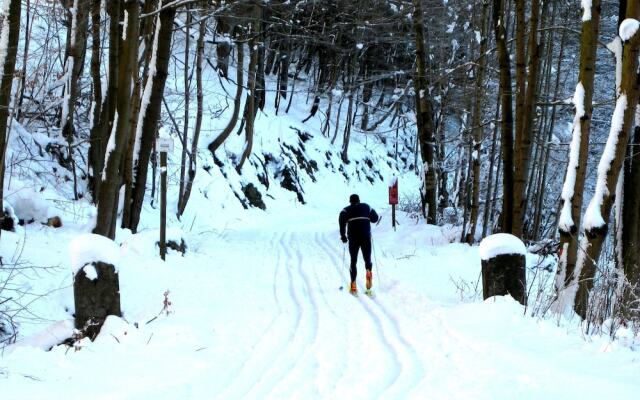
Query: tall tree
[(149, 117), (9, 35), (596, 220), (424, 116), (112, 178), (572, 190), (506, 121)]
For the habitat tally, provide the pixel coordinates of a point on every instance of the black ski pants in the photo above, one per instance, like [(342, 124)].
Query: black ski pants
[(356, 244)]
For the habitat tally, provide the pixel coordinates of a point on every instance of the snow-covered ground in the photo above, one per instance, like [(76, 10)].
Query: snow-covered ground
[(258, 307), (257, 311)]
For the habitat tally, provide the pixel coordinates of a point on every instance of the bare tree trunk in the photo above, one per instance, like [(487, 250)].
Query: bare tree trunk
[(95, 137), (573, 188), (199, 112), (9, 34), (112, 179), (630, 238), (492, 160), (150, 113), (599, 209), (217, 142), (524, 118), (108, 110), (424, 115), (475, 125), (74, 67), (506, 126), (25, 56), (187, 98), (250, 114)]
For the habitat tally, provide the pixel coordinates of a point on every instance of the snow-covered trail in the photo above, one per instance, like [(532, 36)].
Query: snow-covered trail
[(257, 313)]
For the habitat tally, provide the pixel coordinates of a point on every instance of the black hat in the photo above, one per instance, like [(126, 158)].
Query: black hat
[(354, 199)]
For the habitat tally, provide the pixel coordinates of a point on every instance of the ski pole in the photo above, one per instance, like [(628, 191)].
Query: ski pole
[(344, 265), (375, 258)]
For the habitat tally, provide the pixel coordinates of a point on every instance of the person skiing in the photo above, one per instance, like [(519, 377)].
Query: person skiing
[(355, 227)]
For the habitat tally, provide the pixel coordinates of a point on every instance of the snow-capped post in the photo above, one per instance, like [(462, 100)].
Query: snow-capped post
[(96, 289), (503, 266), (393, 199), (164, 145)]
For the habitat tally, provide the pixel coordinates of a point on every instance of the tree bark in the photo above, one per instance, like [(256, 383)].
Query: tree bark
[(217, 142), (112, 179), (150, 115), (187, 101), (74, 67), (506, 125), (424, 116), (573, 188), (476, 128), (198, 124), (599, 209), (9, 29), (524, 119), (95, 137)]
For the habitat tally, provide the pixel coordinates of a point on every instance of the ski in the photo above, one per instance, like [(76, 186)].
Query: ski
[(369, 292)]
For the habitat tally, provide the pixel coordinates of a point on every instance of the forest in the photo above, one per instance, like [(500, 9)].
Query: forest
[(235, 131)]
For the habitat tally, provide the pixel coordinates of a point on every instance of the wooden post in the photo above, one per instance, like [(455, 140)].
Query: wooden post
[(164, 146), (163, 204), (393, 216)]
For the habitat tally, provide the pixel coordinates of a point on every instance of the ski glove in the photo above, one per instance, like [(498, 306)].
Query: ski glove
[(343, 238)]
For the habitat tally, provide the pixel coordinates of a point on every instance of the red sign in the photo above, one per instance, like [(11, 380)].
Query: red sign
[(393, 193)]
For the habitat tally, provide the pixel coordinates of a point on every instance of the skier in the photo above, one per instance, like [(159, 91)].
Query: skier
[(356, 220)]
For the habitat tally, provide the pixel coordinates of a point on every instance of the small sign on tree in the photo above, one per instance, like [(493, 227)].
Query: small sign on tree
[(165, 144)]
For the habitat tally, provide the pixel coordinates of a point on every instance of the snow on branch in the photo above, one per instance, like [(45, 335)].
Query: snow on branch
[(593, 215), (628, 28), (566, 220), (586, 10)]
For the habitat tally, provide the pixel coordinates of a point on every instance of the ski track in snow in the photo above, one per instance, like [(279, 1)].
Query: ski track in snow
[(408, 369)]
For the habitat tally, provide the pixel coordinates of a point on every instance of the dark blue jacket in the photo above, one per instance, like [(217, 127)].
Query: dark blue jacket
[(358, 218)]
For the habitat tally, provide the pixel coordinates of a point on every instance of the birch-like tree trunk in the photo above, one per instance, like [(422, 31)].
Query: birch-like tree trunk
[(572, 190)]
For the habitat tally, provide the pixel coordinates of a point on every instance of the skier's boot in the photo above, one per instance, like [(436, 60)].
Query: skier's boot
[(353, 290), (369, 279)]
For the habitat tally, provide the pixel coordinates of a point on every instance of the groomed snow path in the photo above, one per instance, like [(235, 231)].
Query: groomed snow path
[(259, 314)]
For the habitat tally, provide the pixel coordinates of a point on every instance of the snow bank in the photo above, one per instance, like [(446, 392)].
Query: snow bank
[(89, 247), (29, 205), (500, 243), (49, 337)]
